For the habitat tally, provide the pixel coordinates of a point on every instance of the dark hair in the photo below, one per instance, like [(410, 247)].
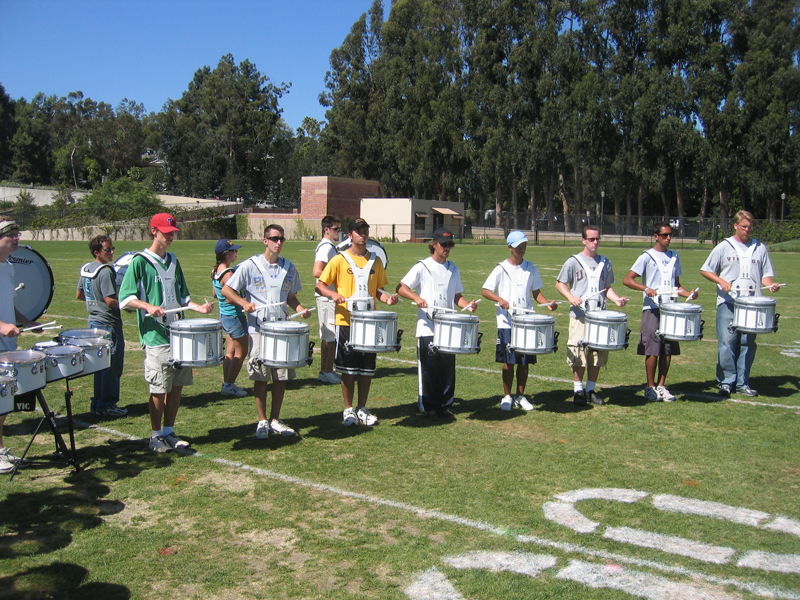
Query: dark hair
[(587, 228), (220, 258), (277, 228), (96, 243), (657, 227), (329, 221), (431, 246)]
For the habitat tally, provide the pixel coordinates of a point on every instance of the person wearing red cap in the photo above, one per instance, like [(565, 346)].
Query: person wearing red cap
[(153, 284)]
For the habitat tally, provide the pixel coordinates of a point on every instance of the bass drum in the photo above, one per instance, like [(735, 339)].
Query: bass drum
[(121, 264), (34, 271), (372, 246)]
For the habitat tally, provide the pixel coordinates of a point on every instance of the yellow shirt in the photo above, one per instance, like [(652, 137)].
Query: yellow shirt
[(339, 274)]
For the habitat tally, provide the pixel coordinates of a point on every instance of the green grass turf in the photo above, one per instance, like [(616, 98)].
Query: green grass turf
[(245, 518)]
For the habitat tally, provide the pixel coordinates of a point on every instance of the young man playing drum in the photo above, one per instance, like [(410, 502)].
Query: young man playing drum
[(660, 269), (516, 281), (585, 281), (269, 283), (326, 309), (98, 287), (9, 317), (739, 266), (153, 284), (353, 279), (438, 283)]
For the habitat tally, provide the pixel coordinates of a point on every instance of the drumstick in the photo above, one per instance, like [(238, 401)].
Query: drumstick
[(467, 306), (177, 310), (295, 315), (694, 291), (42, 326), (399, 298), (259, 307), (21, 286), (766, 287), (551, 303)]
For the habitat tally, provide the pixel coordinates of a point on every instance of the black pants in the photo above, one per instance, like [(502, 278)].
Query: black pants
[(437, 376)]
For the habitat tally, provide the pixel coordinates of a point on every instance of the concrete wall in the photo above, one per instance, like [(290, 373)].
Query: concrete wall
[(388, 216), (41, 196)]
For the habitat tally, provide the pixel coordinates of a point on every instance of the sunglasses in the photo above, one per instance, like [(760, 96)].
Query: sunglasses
[(336, 228), (597, 239), (277, 238), (669, 235), (14, 234), (447, 244), (109, 250)]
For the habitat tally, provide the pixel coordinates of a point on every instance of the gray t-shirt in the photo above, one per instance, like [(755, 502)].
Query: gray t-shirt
[(98, 281), (724, 261), (572, 274), (647, 268)]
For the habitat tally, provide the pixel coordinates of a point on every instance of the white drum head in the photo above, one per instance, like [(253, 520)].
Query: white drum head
[(34, 271), (372, 246)]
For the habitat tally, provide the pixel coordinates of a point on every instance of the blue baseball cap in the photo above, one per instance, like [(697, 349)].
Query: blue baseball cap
[(224, 246), (515, 238)]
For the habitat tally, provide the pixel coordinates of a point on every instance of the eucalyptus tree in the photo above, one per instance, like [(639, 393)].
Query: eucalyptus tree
[(32, 159), (6, 133)]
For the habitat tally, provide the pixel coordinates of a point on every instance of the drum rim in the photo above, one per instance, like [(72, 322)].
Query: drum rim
[(456, 318), (102, 343), (65, 350), (52, 279), (684, 307), (284, 326), (196, 325), (384, 315), (30, 353), (534, 317), (617, 315), (755, 300)]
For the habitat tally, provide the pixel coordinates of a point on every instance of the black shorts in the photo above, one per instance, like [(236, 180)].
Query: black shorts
[(649, 343), (503, 355), (348, 361)]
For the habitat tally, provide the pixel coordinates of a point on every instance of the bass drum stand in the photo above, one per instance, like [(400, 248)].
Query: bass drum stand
[(68, 454)]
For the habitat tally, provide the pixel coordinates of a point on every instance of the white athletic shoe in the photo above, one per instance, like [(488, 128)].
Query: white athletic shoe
[(279, 427), (523, 403), (262, 430), (365, 417), (506, 403), (233, 390), (331, 377), (665, 394), (349, 417)]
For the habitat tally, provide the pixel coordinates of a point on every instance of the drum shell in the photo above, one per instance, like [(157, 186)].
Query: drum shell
[(755, 314), (63, 362), (606, 330), (284, 344), (680, 322), (27, 367), (96, 354), (196, 342), (8, 389), (373, 331), (456, 334), (533, 334)]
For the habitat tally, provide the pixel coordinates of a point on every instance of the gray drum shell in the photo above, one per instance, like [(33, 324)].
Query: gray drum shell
[(27, 367)]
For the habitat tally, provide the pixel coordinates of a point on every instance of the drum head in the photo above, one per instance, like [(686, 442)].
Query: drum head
[(372, 246), (34, 271)]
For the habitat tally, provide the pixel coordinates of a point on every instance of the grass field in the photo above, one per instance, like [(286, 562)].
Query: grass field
[(479, 508)]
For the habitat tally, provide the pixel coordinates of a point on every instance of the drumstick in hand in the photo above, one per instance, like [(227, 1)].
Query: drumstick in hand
[(21, 286), (468, 305), (692, 296), (42, 326), (295, 315), (766, 287)]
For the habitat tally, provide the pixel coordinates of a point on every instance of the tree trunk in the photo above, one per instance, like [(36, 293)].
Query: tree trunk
[(679, 193), (617, 210), (724, 206), (704, 205), (514, 202), (773, 207), (562, 190), (664, 203), (628, 210), (640, 208), (532, 207), (550, 195), (498, 203), (578, 200)]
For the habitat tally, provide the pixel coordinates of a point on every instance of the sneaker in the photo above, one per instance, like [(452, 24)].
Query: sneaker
[(159, 444), (174, 442), (595, 399), (233, 390), (329, 377), (651, 394), (279, 427), (113, 411), (5, 455), (5, 466), (262, 430), (746, 390), (366, 417), (349, 417), (445, 413), (523, 403), (579, 398), (724, 389), (665, 394), (506, 403)]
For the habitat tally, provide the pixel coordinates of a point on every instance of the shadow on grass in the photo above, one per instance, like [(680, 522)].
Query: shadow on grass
[(58, 580)]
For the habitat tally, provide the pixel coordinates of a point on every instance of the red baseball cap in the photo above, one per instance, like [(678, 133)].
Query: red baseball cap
[(164, 222)]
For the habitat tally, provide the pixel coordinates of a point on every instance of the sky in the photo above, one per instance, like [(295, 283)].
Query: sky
[(148, 51)]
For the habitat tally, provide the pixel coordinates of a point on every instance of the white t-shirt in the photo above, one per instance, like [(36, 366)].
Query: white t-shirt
[(514, 284), (325, 251), (422, 278), (7, 313)]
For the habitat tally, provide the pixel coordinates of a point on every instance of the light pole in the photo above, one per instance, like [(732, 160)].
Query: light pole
[(783, 203), (602, 209), (280, 194)]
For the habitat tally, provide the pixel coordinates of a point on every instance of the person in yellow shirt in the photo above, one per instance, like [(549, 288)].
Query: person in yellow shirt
[(353, 280)]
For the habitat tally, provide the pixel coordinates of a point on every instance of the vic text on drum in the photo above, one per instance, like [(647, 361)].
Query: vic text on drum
[(233, 320), (352, 279), (585, 281), (739, 265), (326, 309), (9, 318), (516, 281), (97, 286), (269, 281), (154, 284), (660, 270), (435, 285)]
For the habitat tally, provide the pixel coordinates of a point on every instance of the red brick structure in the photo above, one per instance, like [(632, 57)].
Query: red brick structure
[(339, 196)]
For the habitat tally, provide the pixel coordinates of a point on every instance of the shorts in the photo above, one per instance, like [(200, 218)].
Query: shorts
[(503, 355), (259, 371), (348, 361), (234, 325), (582, 356), (326, 313), (649, 344), (158, 372)]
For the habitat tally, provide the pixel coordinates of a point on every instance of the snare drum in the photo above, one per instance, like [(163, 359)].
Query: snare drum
[(533, 334), (285, 344), (68, 337), (96, 354), (196, 342), (43, 346), (374, 331), (8, 388), (27, 367), (63, 362), (680, 322), (755, 314), (606, 330), (455, 333)]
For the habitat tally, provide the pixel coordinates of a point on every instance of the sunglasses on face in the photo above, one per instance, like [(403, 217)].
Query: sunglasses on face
[(597, 239), (448, 244), (664, 235), (277, 238), (13, 234), (109, 250), (336, 228)]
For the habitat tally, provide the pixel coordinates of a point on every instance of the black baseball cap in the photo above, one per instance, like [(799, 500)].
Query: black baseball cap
[(356, 224)]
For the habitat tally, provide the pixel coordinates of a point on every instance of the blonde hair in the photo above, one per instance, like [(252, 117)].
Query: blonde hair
[(745, 215)]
